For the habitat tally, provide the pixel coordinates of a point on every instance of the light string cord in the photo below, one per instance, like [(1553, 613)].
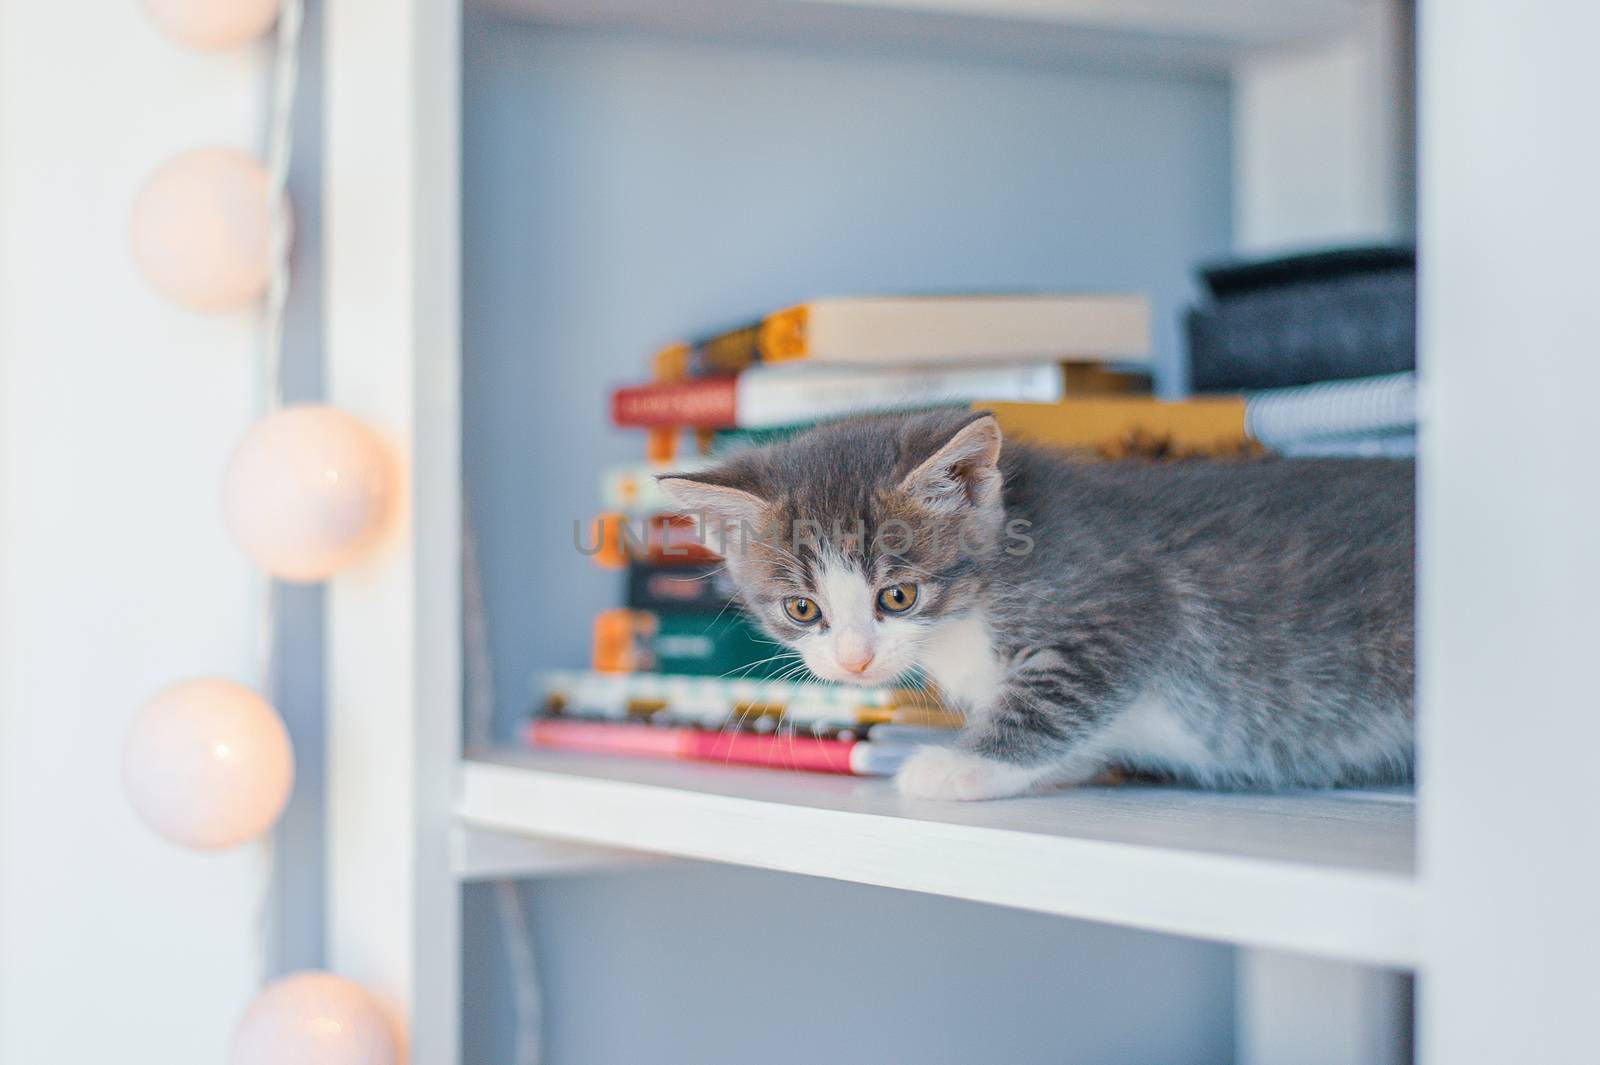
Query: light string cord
[(280, 145), (480, 693), (280, 133), (527, 1000)]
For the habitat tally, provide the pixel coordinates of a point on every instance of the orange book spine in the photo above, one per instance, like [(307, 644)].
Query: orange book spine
[(667, 540)]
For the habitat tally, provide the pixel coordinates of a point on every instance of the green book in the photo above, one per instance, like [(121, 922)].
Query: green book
[(688, 643)]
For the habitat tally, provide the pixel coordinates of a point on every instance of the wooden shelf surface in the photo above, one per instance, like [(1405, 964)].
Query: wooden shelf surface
[(1328, 873)]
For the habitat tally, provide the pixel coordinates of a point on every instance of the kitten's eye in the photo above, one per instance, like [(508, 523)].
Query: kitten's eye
[(897, 598), (801, 609)]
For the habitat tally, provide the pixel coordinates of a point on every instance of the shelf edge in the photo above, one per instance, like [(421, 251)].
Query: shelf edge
[(1354, 915)]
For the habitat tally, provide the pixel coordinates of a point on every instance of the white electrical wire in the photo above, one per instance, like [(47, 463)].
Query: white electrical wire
[(285, 80), (475, 634), (527, 1000), (280, 144), (265, 927)]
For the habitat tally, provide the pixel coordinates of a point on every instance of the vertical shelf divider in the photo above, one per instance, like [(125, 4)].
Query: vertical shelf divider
[(391, 198)]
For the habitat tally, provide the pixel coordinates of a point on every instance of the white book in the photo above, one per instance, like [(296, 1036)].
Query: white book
[(769, 396), (1286, 418), (932, 330), (1004, 328)]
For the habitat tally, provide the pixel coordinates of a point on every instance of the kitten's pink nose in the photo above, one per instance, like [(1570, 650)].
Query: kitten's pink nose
[(858, 662), (853, 651)]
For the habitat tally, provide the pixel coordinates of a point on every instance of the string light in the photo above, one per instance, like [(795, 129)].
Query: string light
[(208, 764), (313, 1018), (202, 230), (308, 492), (212, 25)]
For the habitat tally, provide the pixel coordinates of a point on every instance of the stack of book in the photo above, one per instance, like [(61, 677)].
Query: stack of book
[(1308, 356), (1323, 344), (834, 357), (677, 671), (774, 724)]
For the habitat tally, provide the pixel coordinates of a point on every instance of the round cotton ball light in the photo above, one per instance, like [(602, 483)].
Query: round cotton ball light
[(308, 492), (201, 230), (208, 764), (314, 1018), (213, 25)]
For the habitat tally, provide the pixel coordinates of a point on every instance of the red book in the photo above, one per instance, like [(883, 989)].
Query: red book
[(773, 751), (768, 751), (600, 737), (705, 403)]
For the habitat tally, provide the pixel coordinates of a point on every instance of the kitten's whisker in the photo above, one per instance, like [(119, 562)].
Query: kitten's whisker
[(797, 673), (733, 602), (783, 551), (708, 574), (752, 665)]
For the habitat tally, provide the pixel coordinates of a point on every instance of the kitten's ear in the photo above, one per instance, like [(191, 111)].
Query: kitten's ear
[(963, 473), (733, 506)]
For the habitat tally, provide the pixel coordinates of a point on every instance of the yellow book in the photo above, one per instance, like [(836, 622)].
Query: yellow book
[(1127, 426)]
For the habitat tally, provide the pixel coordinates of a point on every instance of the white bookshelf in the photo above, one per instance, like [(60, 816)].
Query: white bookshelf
[(1323, 873), (1330, 876), (1141, 34)]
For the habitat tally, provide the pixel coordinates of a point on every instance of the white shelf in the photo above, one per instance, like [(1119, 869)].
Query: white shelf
[(1323, 873), (1208, 35)]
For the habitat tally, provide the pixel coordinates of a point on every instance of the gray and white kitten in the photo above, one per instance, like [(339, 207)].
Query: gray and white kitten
[(1234, 624)]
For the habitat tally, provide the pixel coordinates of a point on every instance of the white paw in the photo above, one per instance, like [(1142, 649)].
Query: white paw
[(943, 773)]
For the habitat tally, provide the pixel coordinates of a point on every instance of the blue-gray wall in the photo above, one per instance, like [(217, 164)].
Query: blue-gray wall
[(701, 965), (621, 191), (624, 190)]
